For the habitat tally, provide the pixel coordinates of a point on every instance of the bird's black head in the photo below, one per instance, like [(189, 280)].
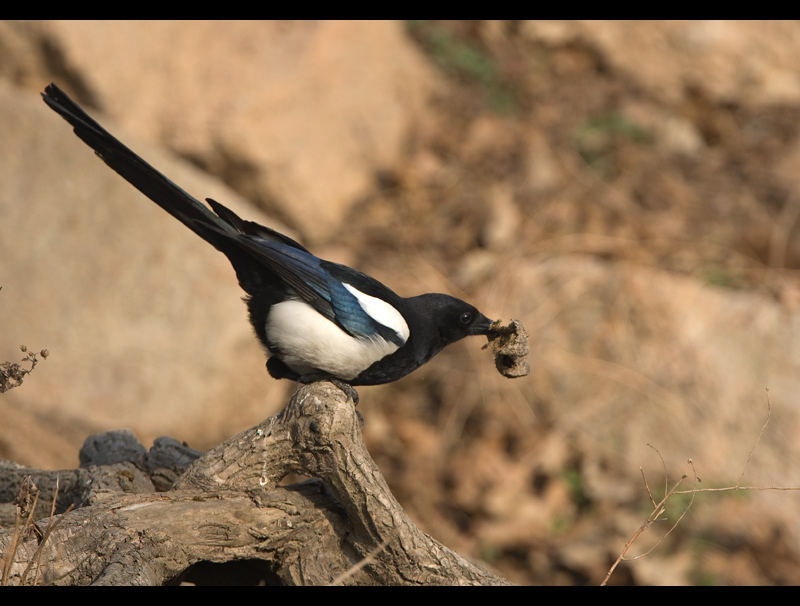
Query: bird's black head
[(450, 319)]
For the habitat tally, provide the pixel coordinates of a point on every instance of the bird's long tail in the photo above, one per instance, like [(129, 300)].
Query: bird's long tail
[(177, 202)]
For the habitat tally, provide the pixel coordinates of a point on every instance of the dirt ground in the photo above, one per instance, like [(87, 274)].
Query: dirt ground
[(629, 191), (629, 163)]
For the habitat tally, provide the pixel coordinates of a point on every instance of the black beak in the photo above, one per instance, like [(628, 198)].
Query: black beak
[(481, 326)]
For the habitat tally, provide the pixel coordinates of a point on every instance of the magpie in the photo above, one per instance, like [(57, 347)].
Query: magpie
[(316, 319)]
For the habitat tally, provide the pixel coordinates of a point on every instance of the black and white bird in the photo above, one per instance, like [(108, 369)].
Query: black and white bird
[(317, 319)]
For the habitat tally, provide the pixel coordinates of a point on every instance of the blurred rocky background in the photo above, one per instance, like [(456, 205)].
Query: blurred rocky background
[(629, 190)]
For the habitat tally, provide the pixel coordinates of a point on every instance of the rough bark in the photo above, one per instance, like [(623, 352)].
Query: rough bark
[(175, 515)]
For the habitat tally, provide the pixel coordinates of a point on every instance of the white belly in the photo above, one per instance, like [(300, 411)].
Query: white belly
[(310, 341)]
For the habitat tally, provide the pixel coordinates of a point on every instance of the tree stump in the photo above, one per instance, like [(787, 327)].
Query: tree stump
[(174, 515)]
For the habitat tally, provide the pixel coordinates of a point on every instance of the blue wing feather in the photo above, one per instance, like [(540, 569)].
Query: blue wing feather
[(313, 284)]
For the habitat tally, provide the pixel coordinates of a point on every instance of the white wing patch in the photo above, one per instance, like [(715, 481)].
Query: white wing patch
[(380, 311), (310, 341)]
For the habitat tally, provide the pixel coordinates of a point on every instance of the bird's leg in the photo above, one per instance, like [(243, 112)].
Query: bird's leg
[(348, 390)]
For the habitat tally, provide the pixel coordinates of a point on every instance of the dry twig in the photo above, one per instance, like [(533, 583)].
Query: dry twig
[(660, 507)]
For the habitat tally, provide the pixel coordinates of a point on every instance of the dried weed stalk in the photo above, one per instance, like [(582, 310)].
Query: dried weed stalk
[(660, 507), (12, 374), (26, 507)]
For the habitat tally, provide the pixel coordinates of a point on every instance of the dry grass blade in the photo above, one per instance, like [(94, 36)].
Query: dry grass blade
[(51, 526), (354, 569), (26, 506)]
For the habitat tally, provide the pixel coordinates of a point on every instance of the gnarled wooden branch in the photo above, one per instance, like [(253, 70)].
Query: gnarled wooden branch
[(172, 514)]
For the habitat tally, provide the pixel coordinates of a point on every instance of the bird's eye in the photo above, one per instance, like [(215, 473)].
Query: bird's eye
[(466, 318)]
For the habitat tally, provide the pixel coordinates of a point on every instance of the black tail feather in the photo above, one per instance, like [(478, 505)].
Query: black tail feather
[(222, 228), (177, 202)]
